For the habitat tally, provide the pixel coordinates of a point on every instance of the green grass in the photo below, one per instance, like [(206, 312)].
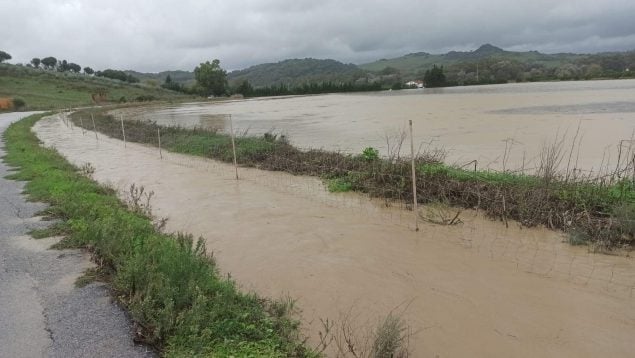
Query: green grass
[(42, 89), (57, 229), (170, 285), (489, 177), (339, 185), (591, 211), (589, 194)]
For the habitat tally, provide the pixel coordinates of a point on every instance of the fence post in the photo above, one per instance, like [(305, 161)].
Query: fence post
[(123, 131), (68, 120), (415, 208), (159, 136), (81, 123), (231, 128), (92, 117)]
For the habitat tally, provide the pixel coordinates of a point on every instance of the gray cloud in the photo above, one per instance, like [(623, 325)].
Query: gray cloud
[(156, 35)]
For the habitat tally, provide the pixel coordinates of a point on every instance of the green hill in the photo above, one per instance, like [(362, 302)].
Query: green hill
[(487, 64), (296, 72), (43, 89), (490, 64)]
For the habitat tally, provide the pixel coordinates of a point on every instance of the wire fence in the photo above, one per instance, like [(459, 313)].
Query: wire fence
[(386, 199)]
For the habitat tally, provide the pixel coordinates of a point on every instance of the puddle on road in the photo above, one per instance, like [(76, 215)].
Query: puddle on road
[(477, 289)]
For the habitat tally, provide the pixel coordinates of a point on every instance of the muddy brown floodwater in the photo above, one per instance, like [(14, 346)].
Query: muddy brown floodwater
[(473, 290), (501, 126)]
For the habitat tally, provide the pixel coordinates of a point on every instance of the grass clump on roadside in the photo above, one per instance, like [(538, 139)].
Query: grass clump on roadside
[(169, 283), (57, 229), (599, 208)]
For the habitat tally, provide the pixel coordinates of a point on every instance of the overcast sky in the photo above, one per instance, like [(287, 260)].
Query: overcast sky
[(155, 35)]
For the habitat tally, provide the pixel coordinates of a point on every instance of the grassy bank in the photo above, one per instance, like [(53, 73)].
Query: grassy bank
[(598, 212), (170, 285), (40, 89)]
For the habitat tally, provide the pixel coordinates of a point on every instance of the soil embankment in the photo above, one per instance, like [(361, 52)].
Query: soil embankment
[(477, 289)]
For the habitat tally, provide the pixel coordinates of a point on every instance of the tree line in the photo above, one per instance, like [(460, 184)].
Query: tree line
[(211, 80), (51, 63), (497, 70), (247, 90)]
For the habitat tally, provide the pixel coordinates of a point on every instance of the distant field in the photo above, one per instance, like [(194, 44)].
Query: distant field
[(42, 89)]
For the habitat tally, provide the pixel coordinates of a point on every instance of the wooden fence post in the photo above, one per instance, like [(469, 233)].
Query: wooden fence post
[(414, 179), (159, 136), (123, 131), (231, 128), (92, 117)]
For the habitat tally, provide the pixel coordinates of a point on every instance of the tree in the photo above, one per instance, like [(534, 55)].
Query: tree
[(4, 56), (171, 85), (88, 70), (49, 62), (434, 77), (245, 88), (73, 67), (63, 66), (35, 62), (211, 78), (117, 75)]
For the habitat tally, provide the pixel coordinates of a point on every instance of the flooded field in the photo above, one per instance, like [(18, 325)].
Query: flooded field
[(501, 126), (476, 289)]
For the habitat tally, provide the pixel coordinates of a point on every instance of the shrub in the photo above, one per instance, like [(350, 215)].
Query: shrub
[(370, 154), (339, 185), (145, 98), (18, 103)]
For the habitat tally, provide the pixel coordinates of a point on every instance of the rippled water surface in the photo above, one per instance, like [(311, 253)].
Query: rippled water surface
[(501, 126), (478, 289)]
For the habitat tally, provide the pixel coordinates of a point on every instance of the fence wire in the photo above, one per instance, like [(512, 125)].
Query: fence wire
[(533, 250)]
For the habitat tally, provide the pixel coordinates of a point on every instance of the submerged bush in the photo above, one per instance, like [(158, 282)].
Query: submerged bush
[(339, 185)]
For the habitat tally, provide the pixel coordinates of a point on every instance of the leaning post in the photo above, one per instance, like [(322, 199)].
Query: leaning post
[(231, 128), (123, 131), (159, 136)]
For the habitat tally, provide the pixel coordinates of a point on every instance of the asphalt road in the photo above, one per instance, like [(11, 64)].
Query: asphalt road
[(42, 313)]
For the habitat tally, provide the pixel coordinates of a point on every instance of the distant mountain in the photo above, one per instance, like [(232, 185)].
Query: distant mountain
[(413, 63), (484, 51), (486, 64), (296, 72), (491, 64)]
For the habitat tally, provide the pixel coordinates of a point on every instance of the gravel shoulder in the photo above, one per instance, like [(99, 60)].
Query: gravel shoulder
[(42, 313)]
